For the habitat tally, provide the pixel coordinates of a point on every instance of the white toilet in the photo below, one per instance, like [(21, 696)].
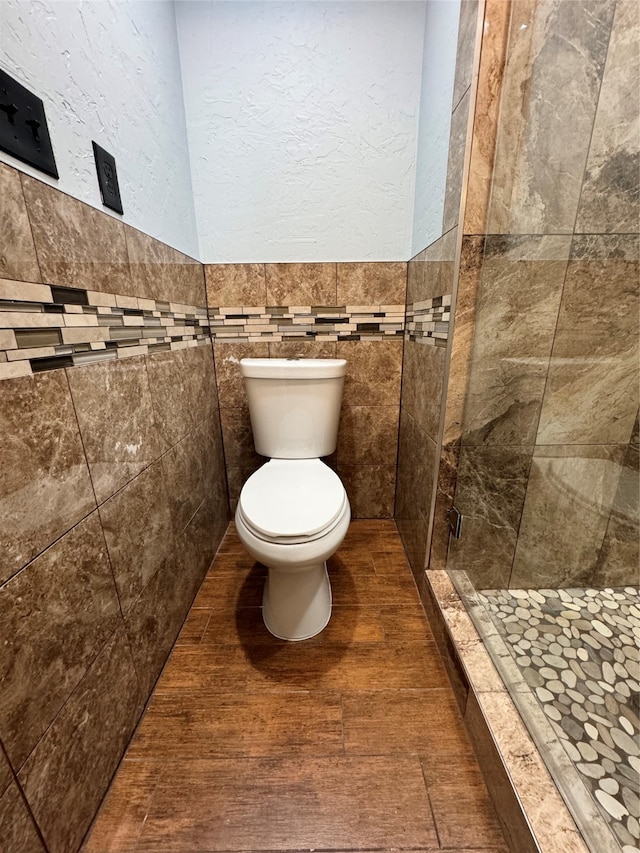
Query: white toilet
[(293, 513)]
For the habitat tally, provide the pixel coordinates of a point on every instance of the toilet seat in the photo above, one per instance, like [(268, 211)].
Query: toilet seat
[(292, 501)]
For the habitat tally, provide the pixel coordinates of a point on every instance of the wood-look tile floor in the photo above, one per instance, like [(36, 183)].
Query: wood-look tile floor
[(349, 741)]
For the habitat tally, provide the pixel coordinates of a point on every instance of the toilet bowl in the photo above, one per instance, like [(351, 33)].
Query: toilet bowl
[(293, 512), (292, 516)]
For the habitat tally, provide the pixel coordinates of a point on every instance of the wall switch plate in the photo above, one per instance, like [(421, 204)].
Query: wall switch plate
[(23, 126), (107, 178)]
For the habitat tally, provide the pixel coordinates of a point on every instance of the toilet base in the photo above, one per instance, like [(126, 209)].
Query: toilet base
[(296, 605)]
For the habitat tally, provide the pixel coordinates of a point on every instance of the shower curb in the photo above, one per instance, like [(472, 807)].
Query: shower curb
[(532, 813)]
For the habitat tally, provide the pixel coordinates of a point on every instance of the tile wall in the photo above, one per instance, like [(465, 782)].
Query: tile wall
[(431, 284), (330, 310), (544, 369), (112, 495)]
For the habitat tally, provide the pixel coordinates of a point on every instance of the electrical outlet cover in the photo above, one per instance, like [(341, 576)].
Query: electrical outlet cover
[(107, 178), (23, 126)]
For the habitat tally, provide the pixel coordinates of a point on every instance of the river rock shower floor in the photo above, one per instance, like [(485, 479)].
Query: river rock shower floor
[(578, 650), (349, 741)]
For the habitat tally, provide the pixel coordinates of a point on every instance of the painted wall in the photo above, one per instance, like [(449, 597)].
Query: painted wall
[(302, 121), (438, 71), (109, 72)]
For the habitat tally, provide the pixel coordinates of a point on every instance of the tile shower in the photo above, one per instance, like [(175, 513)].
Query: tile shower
[(534, 430)]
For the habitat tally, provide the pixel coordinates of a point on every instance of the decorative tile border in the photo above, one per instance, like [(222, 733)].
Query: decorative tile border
[(45, 327), (306, 322), (427, 322)]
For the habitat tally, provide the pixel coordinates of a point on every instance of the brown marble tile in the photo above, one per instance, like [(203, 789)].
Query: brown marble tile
[(569, 489), (431, 272), (619, 558), (188, 475), (592, 389), (231, 394), (373, 372), (434, 602), (390, 723), (201, 538), (460, 359), (236, 478), (5, 773), (91, 731), (462, 808), (302, 349), (445, 494), (371, 284), (239, 449), (301, 284), (155, 618), (457, 145), (138, 531), (359, 804), (120, 439), (44, 480), (467, 29), (77, 245), (610, 199), (18, 833), (490, 494), (516, 315), (422, 384), (546, 815), (416, 466), (18, 256), (55, 615), (183, 390), (513, 822), (554, 68), (235, 284), (368, 435), (160, 272), (370, 488), (414, 531), (240, 724), (495, 38)]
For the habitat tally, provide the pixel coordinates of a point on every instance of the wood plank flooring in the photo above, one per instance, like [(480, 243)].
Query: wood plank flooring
[(349, 741)]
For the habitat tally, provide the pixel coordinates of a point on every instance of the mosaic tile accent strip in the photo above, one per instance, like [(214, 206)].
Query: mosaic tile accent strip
[(306, 322), (579, 652), (427, 322), (45, 328)]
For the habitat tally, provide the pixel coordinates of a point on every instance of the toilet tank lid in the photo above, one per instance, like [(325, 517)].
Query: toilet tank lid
[(293, 368)]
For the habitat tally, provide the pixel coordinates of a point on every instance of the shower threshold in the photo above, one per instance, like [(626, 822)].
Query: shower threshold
[(565, 662)]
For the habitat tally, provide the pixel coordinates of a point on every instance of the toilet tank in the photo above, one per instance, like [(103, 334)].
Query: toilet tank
[(294, 405)]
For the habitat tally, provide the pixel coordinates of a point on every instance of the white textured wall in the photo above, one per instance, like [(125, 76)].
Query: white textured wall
[(438, 72), (109, 71), (302, 121)]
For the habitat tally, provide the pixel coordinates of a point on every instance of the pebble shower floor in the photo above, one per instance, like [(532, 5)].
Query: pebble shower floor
[(579, 652)]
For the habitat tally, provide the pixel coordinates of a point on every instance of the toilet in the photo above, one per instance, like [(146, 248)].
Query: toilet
[(293, 512)]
